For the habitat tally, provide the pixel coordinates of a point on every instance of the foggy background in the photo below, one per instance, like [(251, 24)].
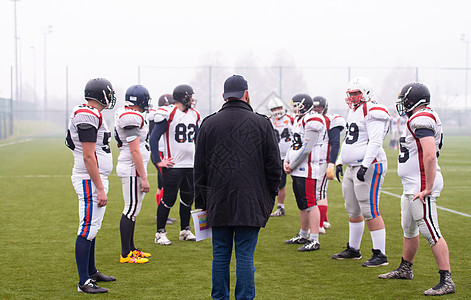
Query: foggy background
[(50, 49)]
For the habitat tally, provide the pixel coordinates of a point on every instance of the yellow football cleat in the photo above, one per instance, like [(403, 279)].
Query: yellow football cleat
[(130, 259), (139, 253)]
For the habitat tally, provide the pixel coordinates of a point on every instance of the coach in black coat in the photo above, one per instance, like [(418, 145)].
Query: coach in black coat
[(236, 175), (237, 166)]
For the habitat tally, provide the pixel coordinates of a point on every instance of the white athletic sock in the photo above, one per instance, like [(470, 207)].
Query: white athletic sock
[(379, 240), (355, 234), (282, 205), (314, 237), (304, 233)]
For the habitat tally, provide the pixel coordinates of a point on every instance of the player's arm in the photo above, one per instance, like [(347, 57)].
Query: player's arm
[(88, 136), (310, 139), (160, 127), (334, 140), (427, 142), (132, 137)]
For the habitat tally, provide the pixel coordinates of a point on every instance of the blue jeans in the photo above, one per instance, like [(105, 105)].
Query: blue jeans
[(245, 240)]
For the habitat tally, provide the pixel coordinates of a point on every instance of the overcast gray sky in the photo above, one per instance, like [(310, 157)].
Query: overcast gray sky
[(105, 38)]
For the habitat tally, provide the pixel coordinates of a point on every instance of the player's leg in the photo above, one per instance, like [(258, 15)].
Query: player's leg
[(368, 194), (310, 215), (172, 179), (91, 216), (299, 190), (321, 196), (187, 195), (356, 224)]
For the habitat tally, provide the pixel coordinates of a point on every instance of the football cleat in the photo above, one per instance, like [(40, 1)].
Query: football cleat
[(139, 253), (310, 246), (98, 276), (349, 253), (378, 259), (298, 239), (130, 259), (90, 287), (327, 225), (279, 212), (321, 230), (186, 235), (404, 271), (161, 238), (445, 286)]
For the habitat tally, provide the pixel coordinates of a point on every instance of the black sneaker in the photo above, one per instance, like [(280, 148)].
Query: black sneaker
[(445, 286), (378, 259), (311, 246), (297, 240), (404, 271), (350, 253), (100, 277), (90, 287)]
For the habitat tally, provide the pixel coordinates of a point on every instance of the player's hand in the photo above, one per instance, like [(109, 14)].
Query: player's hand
[(361, 173), (166, 163), (422, 195), (145, 187), (330, 172), (286, 167), (338, 171), (102, 198)]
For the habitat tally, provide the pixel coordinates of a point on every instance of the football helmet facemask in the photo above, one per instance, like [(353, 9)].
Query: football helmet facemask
[(276, 107), (138, 95), (320, 105), (100, 90), (183, 93), (359, 90), (301, 104), (411, 96)]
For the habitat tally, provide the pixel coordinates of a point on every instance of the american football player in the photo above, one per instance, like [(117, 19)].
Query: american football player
[(178, 125), (131, 131), (422, 183), (302, 164), (364, 156), (282, 123), (88, 138), (329, 150)]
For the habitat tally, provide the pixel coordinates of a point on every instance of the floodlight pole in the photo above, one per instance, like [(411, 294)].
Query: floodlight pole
[(466, 39), (49, 30)]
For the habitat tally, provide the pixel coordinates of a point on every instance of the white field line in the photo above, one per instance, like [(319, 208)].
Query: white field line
[(439, 207), (15, 142)]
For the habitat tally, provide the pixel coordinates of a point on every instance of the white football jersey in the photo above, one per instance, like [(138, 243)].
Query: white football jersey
[(331, 121), (411, 162), (312, 121), (85, 114), (283, 132), (367, 126), (126, 117), (179, 139)]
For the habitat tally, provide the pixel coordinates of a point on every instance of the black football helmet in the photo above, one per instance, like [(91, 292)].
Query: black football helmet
[(100, 90), (301, 104), (320, 105), (138, 95), (183, 94), (166, 99), (411, 96)]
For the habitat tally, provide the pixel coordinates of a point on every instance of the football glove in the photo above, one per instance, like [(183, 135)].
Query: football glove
[(338, 172), (361, 173), (330, 172)]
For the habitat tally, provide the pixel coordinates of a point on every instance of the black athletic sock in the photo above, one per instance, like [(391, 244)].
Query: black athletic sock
[(125, 228), (131, 243), (162, 215), (91, 261), (82, 257), (185, 213)]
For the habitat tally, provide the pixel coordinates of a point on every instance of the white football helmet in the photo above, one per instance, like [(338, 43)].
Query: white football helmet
[(359, 90), (276, 107)]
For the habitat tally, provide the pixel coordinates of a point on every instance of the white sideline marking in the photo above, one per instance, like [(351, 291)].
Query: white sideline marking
[(15, 142), (439, 207)]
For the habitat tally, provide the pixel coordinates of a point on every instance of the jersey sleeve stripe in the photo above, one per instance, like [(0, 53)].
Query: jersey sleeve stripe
[(87, 111), (379, 108), (423, 114), (134, 113), (315, 119)]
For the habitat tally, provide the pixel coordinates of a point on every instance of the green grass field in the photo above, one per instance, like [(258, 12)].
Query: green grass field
[(39, 220)]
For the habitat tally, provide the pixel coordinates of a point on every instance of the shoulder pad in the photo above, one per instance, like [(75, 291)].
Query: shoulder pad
[(378, 112), (423, 119)]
